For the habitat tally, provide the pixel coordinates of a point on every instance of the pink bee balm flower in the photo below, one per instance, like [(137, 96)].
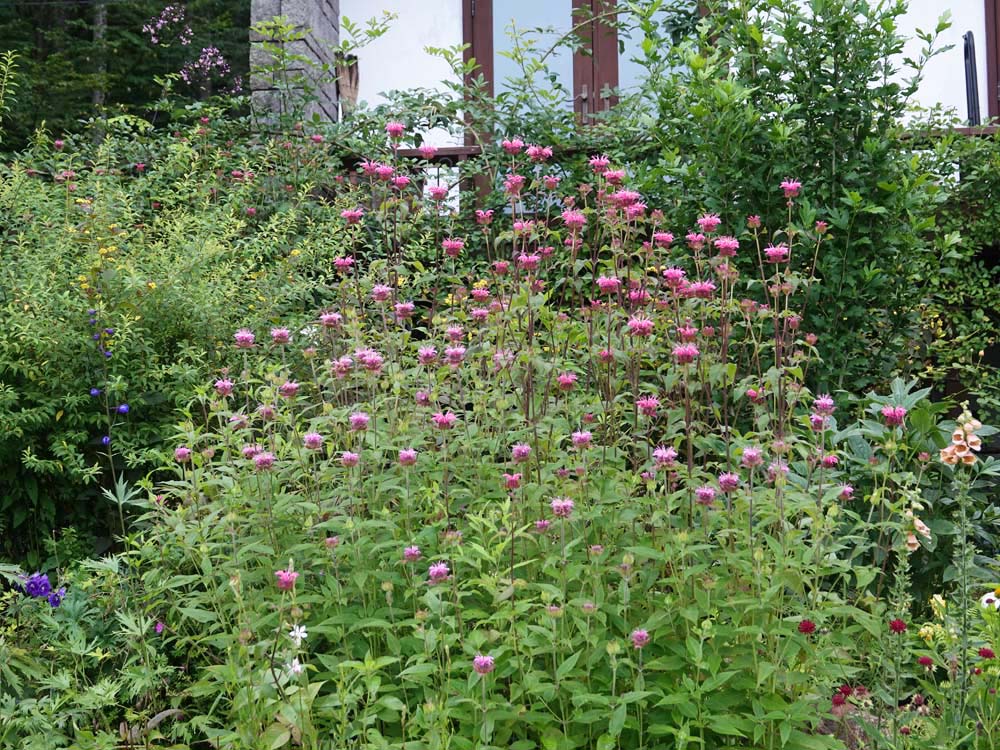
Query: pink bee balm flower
[(550, 181), (384, 172), (701, 289), (483, 664), (453, 247), (829, 461), (224, 387), (280, 335), (359, 421), (791, 188), (542, 525), (539, 153), (512, 481), (407, 457), (263, 461), (513, 183), (704, 495), (574, 219), (695, 240), (412, 554), (727, 246), (664, 456), (608, 284), (331, 319), (893, 415), (484, 218), (640, 326), (818, 422), (562, 507), (752, 457), (687, 332), (444, 420), (614, 176), (520, 452), (566, 380), (427, 355), (846, 492), (313, 441), (685, 353), (709, 223), (288, 389), (776, 253), (663, 239), (599, 164), (404, 310), (582, 439), (528, 262), (427, 152), (352, 215), (729, 482), (394, 129), (674, 277), (824, 405), (286, 579), (437, 192), (182, 454), (381, 292), (648, 405), (244, 338), (343, 264), (512, 146), (639, 638), (501, 267), (454, 355), (753, 221), (349, 460), (439, 572)]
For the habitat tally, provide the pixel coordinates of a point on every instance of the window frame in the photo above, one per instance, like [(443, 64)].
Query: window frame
[(993, 58), (595, 69)]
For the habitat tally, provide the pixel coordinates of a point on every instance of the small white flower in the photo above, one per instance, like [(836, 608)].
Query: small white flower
[(990, 600), (295, 667), (298, 634)]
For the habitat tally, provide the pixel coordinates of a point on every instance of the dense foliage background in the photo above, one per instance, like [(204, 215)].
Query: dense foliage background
[(134, 247), (67, 65)]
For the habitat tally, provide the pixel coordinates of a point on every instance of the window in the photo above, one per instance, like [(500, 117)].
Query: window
[(603, 63), (993, 58)]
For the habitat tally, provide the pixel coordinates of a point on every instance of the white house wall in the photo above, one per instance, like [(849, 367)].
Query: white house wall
[(398, 60)]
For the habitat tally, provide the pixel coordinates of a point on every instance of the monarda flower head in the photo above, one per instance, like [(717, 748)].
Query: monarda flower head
[(685, 354), (639, 638), (648, 405), (709, 223), (664, 456), (483, 664), (562, 507)]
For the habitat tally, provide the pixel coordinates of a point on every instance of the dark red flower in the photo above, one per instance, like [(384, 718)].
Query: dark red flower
[(987, 653), (926, 662), (897, 626), (846, 690), (807, 627), (904, 730), (839, 699)]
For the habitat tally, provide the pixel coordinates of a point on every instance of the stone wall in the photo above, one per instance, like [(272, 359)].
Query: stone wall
[(320, 19)]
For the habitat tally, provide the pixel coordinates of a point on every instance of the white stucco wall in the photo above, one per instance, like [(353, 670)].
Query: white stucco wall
[(944, 77), (398, 59)]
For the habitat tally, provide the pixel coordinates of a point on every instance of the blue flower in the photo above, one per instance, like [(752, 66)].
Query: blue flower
[(95, 392), (106, 440), (123, 408), (56, 597), (37, 584), (110, 331)]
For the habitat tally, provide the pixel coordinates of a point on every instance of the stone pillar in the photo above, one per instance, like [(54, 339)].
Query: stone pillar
[(318, 22)]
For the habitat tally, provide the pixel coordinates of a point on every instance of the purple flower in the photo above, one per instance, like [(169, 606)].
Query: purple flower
[(438, 572), (412, 554), (639, 638), (37, 585), (122, 409), (483, 664)]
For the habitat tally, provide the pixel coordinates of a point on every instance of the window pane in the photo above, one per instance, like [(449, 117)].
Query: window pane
[(674, 21), (555, 18)]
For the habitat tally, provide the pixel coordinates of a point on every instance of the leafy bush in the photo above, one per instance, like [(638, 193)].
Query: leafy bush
[(500, 505)]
